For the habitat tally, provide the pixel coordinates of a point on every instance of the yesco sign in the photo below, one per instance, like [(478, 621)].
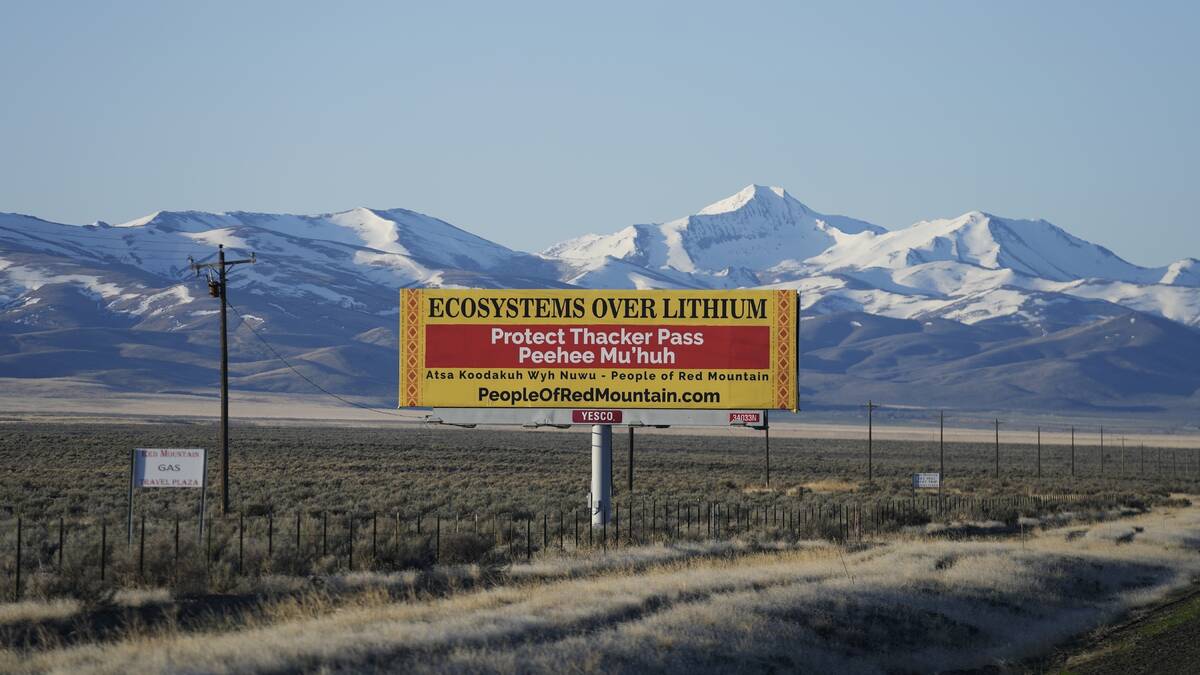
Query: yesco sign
[(598, 349)]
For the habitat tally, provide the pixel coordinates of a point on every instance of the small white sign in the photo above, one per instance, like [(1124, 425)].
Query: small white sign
[(168, 467), (926, 480)]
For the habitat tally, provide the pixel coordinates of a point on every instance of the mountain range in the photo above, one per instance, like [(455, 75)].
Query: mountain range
[(976, 311)]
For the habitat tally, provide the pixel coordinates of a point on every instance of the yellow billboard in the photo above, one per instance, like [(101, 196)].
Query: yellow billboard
[(589, 349)]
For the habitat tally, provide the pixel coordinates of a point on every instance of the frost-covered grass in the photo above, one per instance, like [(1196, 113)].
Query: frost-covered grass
[(905, 603)]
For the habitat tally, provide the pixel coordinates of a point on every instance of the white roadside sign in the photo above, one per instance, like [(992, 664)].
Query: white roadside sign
[(168, 467), (926, 480)]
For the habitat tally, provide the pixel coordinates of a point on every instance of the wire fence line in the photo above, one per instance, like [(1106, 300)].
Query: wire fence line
[(43, 557)]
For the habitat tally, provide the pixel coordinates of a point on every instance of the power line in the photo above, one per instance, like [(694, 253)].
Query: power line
[(302, 375)]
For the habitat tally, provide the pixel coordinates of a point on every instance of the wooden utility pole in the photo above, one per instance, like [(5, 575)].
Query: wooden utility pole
[(870, 440), (1102, 451), (1072, 452), (1039, 454), (941, 450), (997, 448), (217, 289)]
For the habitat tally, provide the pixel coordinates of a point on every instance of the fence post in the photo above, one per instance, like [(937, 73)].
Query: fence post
[(103, 549), (142, 549), (208, 549), (324, 533), (374, 538), (350, 566), (62, 542), (528, 539), (17, 581), (437, 538), (241, 537), (617, 525), (577, 527), (298, 554), (177, 544)]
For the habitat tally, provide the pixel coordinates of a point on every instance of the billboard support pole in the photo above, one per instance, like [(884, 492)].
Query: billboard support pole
[(767, 446), (601, 497)]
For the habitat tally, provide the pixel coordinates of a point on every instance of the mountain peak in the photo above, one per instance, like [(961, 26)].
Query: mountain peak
[(761, 194)]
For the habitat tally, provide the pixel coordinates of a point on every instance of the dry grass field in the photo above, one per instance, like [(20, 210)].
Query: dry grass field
[(82, 469), (902, 603), (1032, 562)]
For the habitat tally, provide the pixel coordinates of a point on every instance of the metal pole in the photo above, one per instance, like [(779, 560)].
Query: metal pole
[(224, 386), (601, 495), (631, 461), (767, 443), (129, 519)]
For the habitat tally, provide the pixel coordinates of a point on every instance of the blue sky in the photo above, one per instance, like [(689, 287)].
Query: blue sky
[(528, 123)]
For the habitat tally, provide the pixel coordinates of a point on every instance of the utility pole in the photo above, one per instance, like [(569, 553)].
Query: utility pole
[(1039, 454), (1102, 451), (870, 440), (941, 450), (997, 448), (217, 289), (1072, 452)]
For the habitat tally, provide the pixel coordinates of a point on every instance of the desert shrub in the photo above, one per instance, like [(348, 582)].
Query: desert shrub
[(76, 580), (410, 552), (465, 548)]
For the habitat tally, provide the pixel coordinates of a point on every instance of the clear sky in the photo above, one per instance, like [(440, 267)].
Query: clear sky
[(528, 123)]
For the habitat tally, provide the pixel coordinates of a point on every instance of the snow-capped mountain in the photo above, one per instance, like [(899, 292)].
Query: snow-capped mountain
[(725, 243), (118, 304), (975, 267)]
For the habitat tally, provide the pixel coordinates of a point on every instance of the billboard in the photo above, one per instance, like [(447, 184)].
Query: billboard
[(597, 349)]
